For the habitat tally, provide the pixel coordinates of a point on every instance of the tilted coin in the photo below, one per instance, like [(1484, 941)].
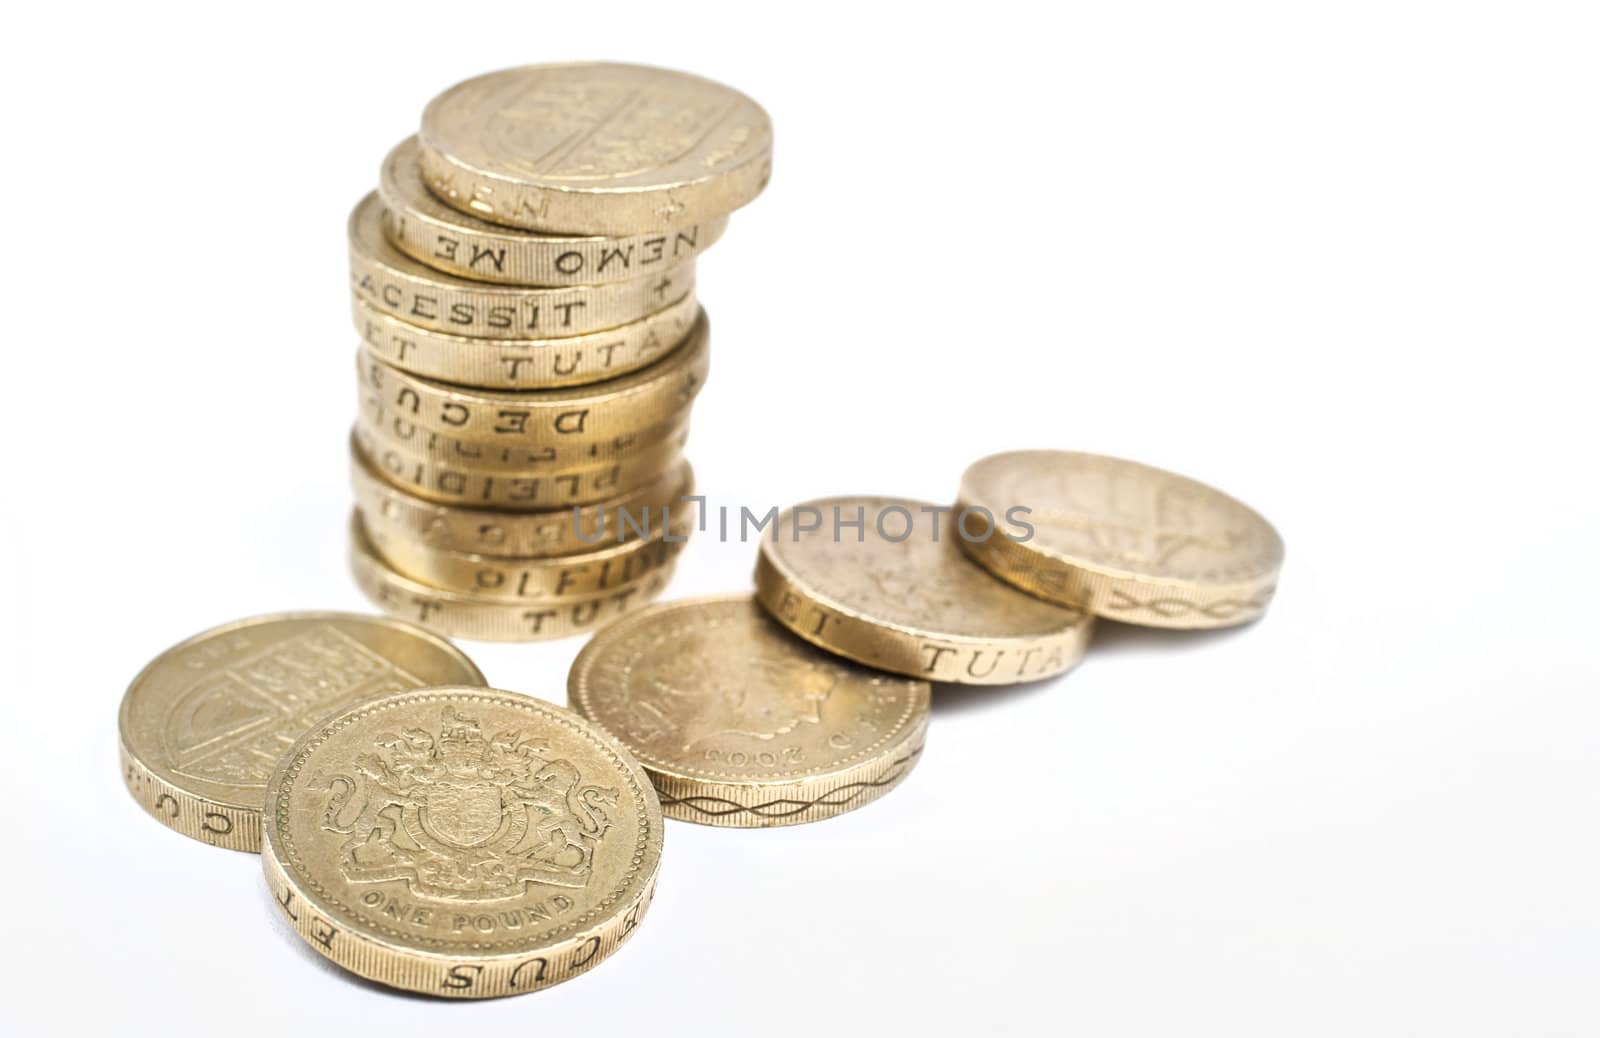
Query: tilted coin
[(524, 363), (595, 148), (608, 566), (511, 490), (447, 239), (387, 425), (473, 616), (500, 533), (203, 725), (740, 723), (883, 581), (389, 280), (1124, 540), (462, 842), (601, 409)]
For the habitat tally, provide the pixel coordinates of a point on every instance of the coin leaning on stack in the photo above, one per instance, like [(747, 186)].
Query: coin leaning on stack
[(523, 283), (809, 698), (1004, 586)]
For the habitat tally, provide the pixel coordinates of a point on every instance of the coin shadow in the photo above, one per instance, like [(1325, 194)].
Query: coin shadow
[(1112, 638), (951, 700)]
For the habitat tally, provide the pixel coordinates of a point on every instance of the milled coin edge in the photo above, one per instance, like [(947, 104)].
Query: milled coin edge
[(894, 647)]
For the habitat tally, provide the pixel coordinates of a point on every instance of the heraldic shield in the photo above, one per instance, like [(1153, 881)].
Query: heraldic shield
[(462, 817)]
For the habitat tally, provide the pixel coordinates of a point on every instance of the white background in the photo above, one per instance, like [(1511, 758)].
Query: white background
[(1337, 259)]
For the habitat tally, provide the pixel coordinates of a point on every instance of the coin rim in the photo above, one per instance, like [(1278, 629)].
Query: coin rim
[(451, 354), (608, 304), (606, 551), (360, 553), (367, 482), (631, 402), (641, 468), (397, 198), (449, 451)]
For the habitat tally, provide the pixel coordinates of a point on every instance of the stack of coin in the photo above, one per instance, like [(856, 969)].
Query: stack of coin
[(523, 282)]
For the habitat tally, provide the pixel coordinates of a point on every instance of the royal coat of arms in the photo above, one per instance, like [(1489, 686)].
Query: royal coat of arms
[(464, 817)]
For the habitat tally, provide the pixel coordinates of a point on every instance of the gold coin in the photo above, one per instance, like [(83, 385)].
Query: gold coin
[(1121, 539), (883, 581), (487, 531), (524, 363), (602, 409), (203, 725), (595, 148), (446, 239), (394, 283), (608, 566), (472, 616), (385, 425), (462, 842), (514, 491), (738, 722)]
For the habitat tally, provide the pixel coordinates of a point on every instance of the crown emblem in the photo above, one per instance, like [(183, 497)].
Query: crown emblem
[(463, 817), (462, 746)]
